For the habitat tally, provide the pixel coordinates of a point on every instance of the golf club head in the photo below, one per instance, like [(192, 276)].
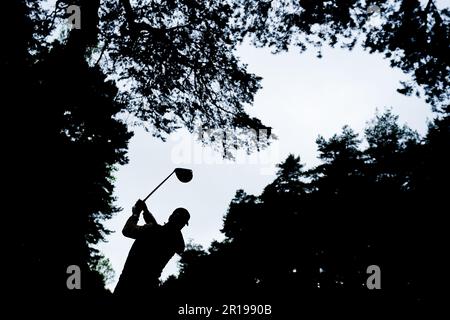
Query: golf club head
[(184, 175)]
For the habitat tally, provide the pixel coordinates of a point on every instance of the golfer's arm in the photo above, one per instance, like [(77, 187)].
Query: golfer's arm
[(148, 217), (131, 228)]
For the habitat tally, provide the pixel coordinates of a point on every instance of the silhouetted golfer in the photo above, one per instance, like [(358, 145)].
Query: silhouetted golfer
[(152, 249)]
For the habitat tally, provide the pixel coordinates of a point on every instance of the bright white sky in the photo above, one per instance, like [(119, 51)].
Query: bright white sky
[(302, 97)]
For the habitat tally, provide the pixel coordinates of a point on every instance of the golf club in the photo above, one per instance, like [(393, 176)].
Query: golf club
[(184, 175)]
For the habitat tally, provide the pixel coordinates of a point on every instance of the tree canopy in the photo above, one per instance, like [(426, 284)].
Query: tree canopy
[(176, 63)]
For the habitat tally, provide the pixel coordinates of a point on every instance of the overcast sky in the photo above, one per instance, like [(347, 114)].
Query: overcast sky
[(302, 97)]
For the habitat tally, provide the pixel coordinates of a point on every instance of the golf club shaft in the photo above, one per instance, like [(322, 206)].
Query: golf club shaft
[(159, 185)]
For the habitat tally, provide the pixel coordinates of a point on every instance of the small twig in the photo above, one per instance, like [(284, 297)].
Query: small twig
[(101, 53)]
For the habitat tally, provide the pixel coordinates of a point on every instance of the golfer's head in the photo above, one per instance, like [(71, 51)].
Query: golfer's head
[(179, 218)]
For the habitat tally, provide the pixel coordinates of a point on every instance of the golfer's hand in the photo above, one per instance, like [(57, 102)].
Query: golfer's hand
[(138, 207), (142, 206)]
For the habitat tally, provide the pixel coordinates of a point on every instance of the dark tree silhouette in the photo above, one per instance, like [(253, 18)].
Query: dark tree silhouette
[(175, 61), (313, 231), (66, 145)]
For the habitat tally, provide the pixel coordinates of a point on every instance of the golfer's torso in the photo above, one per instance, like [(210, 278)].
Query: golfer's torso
[(151, 251)]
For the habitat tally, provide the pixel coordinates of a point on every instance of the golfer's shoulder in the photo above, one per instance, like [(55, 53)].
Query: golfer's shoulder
[(155, 225), (151, 227)]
